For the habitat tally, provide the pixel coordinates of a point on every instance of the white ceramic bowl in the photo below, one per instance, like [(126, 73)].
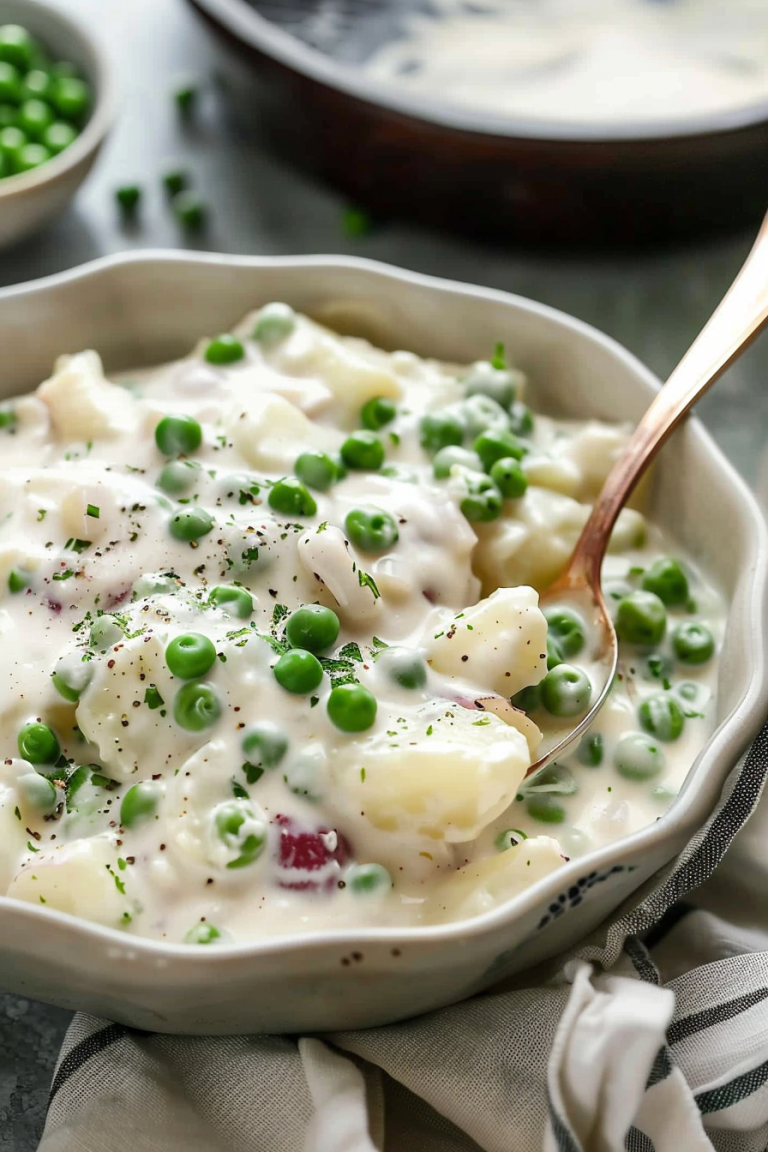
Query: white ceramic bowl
[(30, 200), (144, 308)]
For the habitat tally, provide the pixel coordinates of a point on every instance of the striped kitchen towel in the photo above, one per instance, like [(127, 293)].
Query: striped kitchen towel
[(652, 1036)]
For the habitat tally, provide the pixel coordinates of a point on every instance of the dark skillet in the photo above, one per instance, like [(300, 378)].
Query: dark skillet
[(398, 155)]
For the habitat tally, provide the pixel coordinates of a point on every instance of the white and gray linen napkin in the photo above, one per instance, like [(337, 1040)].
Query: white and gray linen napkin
[(652, 1036)]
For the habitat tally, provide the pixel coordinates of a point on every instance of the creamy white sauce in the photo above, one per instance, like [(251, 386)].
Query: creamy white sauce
[(427, 789), (584, 61)]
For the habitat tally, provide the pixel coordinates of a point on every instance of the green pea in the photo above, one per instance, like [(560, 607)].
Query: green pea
[(566, 691), (638, 757), (190, 210), (405, 666), (71, 97), (274, 323), (482, 414), (229, 819), (554, 653), (453, 454), (292, 498), (497, 383), (641, 619), (59, 136), (312, 627), (556, 778), (439, 429), (153, 584), (662, 716), (365, 878), (196, 706), (139, 803), (528, 699), (8, 116), (497, 444), (175, 180), (39, 744), (128, 197), (18, 581), (203, 933), (693, 642), (178, 434), (185, 95), (35, 116), (688, 690), (232, 599), (509, 838), (71, 677), (179, 476), (521, 419), (567, 628), (363, 451), (482, 501), (36, 85), (352, 708), (10, 84), (377, 413), (190, 655), (265, 745), (189, 524), (317, 470), (546, 807), (105, 633), (371, 529), (17, 46), (509, 478), (29, 157), (298, 671), (12, 142), (224, 349), (668, 581), (591, 750), (38, 792)]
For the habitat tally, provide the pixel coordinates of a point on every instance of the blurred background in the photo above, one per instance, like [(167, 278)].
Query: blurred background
[(606, 157)]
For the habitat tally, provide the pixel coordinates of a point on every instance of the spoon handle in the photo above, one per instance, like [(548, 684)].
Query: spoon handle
[(735, 322)]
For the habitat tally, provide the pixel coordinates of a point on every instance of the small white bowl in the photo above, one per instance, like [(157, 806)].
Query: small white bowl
[(144, 308), (31, 199)]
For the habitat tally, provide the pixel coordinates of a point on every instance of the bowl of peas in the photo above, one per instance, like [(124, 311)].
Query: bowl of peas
[(55, 111)]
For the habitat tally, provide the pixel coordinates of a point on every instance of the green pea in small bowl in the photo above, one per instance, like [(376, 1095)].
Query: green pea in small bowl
[(30, 199)]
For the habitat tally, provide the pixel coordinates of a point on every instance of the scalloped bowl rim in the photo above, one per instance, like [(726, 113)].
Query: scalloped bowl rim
[(97, 125), (259, 33), (687, 810)]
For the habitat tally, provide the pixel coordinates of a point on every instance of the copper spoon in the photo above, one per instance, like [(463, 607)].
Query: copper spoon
[(736, 321)]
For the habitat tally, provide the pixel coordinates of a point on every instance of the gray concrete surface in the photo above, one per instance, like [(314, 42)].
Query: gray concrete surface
[(652, 302)]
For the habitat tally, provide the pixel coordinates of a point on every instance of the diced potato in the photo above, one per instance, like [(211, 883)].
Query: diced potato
[(484, 884), (353, 370), (78, 878), (83, 404), (500, 641), (445, 775), (271, 433)]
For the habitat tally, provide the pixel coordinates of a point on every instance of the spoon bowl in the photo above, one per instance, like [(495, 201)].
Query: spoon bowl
[(737, 320)]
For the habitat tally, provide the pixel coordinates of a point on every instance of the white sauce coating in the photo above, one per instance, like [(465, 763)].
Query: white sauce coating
[(584, 61), (93, 583)]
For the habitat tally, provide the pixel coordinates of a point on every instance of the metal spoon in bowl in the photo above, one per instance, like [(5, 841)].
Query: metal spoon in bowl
[(736, 321)]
